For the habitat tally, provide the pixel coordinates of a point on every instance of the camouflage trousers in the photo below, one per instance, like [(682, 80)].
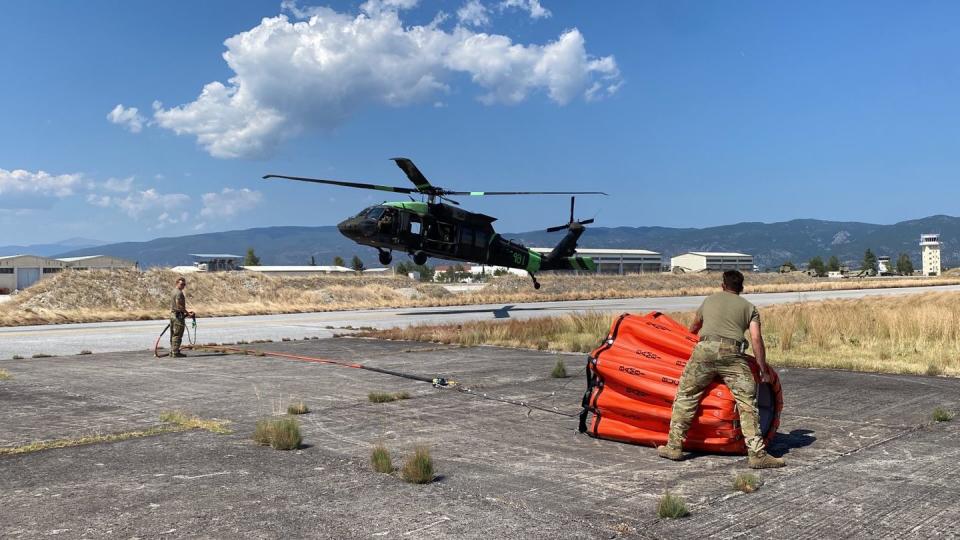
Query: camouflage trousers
[(177, 327), (711, 359)]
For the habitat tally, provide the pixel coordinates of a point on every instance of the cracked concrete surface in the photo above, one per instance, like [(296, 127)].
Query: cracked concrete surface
[(864, 458)]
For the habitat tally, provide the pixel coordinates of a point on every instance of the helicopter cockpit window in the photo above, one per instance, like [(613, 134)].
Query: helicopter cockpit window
[(365, 211), (375, 213)]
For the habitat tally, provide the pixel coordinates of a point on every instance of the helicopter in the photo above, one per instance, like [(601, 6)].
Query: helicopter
[(434, 228)]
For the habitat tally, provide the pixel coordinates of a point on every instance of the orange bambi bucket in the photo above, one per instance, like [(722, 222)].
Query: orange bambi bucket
[(632, 381)]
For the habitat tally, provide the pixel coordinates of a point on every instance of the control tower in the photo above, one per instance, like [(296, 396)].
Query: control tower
[(930, 254)]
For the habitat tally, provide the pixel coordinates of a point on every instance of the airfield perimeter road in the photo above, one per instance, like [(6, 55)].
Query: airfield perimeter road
[(64, 339), (864, 458)]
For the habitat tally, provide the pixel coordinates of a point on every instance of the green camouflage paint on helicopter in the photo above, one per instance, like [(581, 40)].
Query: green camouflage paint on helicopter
[(436, 229)]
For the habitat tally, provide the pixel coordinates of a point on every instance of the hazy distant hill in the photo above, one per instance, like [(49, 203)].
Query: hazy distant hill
[(46, 250), (769, 243)]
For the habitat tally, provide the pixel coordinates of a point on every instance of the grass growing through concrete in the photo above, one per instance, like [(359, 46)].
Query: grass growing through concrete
[(278, 433), (559, 370), (671, 506), (386, 397), (380, 459), (192, 421), (5, 375), (942, 415), (746, 482), (418, 469), (171, 422), (298, 408)]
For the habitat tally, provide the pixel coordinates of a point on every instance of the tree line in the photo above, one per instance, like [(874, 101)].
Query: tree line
[(903, 266)]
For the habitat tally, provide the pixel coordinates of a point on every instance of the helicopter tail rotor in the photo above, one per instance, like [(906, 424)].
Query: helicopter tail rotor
[(573, 223)]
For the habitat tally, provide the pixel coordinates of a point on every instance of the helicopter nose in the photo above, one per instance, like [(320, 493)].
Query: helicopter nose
[(348, 228), (356, 228)]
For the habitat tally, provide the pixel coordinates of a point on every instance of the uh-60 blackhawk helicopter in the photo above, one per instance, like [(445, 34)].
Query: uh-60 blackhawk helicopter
[(435, 229)]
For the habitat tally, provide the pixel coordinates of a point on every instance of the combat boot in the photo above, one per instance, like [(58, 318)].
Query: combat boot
[(764, 460), (670, 452)]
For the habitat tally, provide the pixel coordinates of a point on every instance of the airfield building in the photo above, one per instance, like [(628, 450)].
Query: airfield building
[(930, 254), (699, 261), (17, 272), (98, 262), (618, 261)]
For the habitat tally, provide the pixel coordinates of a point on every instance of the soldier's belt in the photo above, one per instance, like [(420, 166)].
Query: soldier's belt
[(738, 344)]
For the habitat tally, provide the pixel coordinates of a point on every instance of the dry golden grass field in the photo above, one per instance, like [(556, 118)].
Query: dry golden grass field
[(93, 296), (917, 334)]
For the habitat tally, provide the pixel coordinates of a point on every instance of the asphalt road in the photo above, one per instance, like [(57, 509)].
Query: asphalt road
[(67, 339), (864, 458)]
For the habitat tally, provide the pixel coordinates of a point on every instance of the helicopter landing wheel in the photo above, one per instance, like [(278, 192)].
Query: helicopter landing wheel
[(419, 258), (385, 257), (536, 284)]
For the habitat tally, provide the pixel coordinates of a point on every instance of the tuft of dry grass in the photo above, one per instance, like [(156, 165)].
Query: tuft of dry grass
[(278, 433), (671, 506), (559, 370), (120, 295), (84, 352), (746, 482), (386, 397), (16, 357), (942, 415), (298, 407), (5, 375), (380, 459), (418, 469), (171, 422), (192, 421), (42, 355)]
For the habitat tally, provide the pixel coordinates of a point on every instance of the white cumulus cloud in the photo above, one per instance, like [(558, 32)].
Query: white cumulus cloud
[(148, 204), (532, 7), (129, 118), (229, 202), (28, 189), (474, 13), (315, 71)]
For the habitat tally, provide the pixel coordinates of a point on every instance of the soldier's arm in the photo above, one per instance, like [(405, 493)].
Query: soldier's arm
[(697, 321), (759, 348)]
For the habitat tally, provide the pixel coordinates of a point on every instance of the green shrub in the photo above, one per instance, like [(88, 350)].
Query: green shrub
[(418, 468), (559, 370), (386, 397), (380, 459), (671, 507)]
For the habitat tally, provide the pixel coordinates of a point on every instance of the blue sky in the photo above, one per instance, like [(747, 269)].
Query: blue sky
[(690, 114)]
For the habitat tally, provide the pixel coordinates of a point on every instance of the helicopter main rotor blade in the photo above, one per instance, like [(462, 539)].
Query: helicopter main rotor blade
[(484, 193), (345, 184), (414, 174)]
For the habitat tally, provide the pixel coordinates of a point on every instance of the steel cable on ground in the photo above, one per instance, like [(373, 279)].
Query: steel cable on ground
[(437, 382)]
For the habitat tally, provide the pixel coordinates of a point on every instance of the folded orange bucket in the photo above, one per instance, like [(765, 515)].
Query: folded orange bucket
[(632, 381)]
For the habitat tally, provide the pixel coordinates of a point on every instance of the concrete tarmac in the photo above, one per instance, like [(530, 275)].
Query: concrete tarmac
[(65, 339), (865, 460)]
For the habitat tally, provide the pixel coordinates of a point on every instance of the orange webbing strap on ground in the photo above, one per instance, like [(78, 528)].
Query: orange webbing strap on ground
[(632, 381)]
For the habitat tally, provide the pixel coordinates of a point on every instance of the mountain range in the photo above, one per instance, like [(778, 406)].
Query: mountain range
[(770, 243), (47, 250)]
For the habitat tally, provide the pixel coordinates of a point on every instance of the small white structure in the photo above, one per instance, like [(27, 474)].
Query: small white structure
[(98, 262), (617, 261), (698, 261), (930, 254), (883, 265), (17, 272), (297, 270)]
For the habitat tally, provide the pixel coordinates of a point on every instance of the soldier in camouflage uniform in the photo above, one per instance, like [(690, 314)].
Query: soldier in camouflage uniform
[(721, 321), (178, 315)]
